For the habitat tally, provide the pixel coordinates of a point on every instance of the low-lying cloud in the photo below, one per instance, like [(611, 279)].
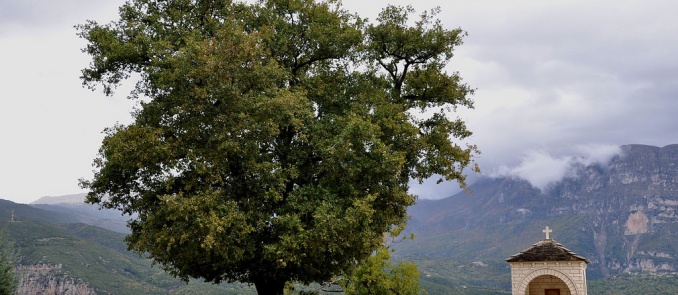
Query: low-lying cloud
[(543, 170)]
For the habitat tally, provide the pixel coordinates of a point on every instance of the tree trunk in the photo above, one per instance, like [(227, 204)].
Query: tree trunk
[(269, 287)]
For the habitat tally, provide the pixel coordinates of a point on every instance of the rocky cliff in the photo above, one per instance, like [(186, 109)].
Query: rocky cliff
[(49, 279), (621, 215)]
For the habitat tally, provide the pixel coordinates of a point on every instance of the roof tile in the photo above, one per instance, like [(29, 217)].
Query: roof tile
[(546, 250)]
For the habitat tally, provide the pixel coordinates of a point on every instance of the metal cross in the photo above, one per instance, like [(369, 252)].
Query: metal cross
[(547, 231)]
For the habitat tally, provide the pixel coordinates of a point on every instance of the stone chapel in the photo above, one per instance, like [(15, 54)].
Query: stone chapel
[(548, 268)]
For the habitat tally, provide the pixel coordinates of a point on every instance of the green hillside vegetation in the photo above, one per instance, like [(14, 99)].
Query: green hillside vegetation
[(8, 279), (22, 211), (474, 258), (481, 270), (99, 257), (93, 255), (92, 215), (635, 284), (449, 276)]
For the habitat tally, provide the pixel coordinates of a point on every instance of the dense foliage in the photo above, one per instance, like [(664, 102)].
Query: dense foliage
[(277, 139), (378, 274), (8, 280), (628, 284)]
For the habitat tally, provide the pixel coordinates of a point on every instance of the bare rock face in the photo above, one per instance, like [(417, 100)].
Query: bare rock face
[(48, 279), (637, 223)]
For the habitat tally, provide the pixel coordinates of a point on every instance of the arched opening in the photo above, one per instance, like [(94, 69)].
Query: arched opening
[(547, 285), (538, 281)]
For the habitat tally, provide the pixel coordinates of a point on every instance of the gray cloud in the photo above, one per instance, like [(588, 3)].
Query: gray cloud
[(543, 170), (559, 74)]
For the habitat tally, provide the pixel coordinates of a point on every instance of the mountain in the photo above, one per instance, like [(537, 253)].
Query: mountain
[(75, 207), (622, 216), (65, 199), (56, 254)]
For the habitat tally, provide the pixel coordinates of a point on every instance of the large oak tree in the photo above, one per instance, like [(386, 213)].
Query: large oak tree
[(275, 141)]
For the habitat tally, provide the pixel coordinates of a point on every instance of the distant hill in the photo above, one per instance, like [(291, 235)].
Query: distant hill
[(57, 255), (23, 211), (621, 216), (75, 207), (65, 199)]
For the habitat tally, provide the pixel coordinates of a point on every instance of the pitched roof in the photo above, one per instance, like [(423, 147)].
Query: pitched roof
[(546, 250)]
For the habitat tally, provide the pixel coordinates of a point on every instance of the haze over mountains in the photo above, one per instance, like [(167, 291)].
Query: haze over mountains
[(75, 206), (620, 212)]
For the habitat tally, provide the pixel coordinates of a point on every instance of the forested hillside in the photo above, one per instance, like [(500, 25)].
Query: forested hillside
[(54, 254)]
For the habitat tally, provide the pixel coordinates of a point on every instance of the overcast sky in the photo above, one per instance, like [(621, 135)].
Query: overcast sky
[(557, 82)]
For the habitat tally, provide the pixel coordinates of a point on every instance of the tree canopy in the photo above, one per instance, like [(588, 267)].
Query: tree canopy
[(275, 141)]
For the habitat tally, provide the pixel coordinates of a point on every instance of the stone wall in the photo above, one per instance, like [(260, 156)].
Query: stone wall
[(544, 275)]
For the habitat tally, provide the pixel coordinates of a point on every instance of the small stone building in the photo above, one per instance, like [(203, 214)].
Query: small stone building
[(548, 268)]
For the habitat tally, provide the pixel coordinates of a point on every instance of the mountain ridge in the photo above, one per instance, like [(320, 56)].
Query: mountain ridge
[(63, 199), (621, 215), (55, 253)]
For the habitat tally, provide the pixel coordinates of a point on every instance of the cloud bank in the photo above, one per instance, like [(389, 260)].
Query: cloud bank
[(543, 170)]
